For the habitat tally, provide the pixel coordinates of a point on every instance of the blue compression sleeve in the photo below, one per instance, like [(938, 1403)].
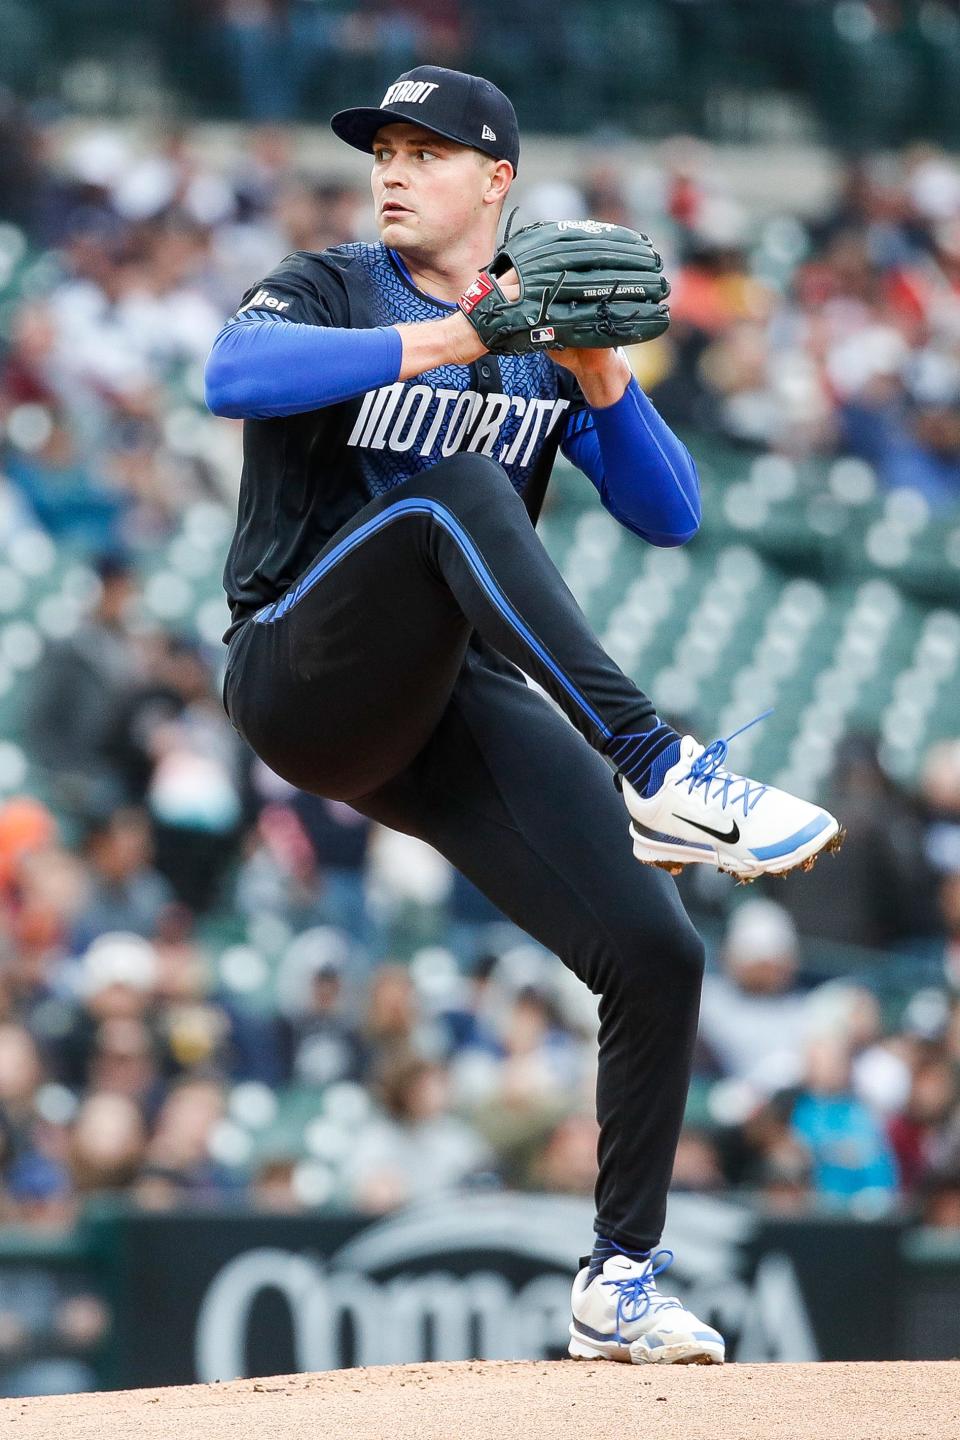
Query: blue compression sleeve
[(259, 367), (646, 476)]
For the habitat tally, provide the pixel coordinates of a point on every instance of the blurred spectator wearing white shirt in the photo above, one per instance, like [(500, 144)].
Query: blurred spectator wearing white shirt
[(415, 1147), (753, 1021), (78, 688)]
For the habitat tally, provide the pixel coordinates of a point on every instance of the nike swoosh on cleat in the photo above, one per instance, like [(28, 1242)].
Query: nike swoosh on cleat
[(731, 838)]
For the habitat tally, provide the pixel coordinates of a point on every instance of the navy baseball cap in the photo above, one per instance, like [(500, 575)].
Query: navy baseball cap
[(460, 107)]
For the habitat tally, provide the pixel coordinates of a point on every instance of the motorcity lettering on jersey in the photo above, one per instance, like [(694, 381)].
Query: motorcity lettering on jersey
[(409, 92), (402, 417), (263, 300)]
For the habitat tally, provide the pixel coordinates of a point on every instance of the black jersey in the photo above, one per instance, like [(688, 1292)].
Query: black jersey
[(305, 475)]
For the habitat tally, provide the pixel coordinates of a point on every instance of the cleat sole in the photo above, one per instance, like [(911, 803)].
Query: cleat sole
[(830, 847), (684, 1352), (671, 867), (646, 852)]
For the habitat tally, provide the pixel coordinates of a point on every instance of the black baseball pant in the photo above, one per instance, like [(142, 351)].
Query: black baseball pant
[(386, 677)]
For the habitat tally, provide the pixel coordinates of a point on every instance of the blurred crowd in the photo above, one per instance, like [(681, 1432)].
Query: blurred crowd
[(837, 333), (852, 72), (302, 1064), (213, 986), (275, 52)]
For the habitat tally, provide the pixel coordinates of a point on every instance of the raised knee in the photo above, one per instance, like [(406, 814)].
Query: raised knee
[(694, 953), (682, 952), (476, 466), (467, 476)]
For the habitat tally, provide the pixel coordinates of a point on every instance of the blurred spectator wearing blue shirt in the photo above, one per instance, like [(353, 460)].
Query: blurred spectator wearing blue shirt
[(853, 1163)]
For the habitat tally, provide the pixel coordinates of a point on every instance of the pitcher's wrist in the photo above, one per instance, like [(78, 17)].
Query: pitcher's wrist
[(450, 341)]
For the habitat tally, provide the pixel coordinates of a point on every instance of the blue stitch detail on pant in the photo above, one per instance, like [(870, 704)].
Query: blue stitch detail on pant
[(443, 516)]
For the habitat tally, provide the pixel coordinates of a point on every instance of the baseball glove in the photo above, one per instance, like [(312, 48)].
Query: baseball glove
[(584, 284)]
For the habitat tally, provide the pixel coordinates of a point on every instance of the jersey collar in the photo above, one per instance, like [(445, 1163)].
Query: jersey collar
[(434, 299)]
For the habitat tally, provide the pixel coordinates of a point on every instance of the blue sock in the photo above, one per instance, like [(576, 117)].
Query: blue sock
[(643, 760), (602, 1251)]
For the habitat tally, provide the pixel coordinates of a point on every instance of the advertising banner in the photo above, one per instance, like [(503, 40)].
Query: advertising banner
[(203, 1297)]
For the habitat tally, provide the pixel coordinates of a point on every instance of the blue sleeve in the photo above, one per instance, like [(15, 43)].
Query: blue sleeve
[(263, 366), (646, 477)]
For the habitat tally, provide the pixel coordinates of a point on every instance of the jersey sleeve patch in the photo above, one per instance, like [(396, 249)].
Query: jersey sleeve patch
[(297, 290), (263, 300)]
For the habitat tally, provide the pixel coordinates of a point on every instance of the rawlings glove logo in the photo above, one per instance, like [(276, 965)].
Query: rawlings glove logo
[(591, 227)]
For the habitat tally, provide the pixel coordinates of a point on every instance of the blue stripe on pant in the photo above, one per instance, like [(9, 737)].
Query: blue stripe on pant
[(385, 682), (473, 558), (364, 647)]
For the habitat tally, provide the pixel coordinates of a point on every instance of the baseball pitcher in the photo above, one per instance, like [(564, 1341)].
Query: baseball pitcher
[(404, 403)]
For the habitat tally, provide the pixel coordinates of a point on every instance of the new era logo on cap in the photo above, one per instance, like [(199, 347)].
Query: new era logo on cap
[(487, 134)]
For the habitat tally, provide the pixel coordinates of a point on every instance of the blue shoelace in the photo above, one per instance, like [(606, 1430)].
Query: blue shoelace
[(634, 1296), (707, 768)]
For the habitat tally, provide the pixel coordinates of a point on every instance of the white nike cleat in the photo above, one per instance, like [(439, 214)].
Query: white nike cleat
[(621, 1315), (706, 815)]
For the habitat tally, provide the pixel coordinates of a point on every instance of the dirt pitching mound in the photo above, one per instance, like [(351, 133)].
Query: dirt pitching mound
[(482, 1400)]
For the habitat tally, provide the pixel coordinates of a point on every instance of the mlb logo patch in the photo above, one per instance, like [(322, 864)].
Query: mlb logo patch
[(476, 292), (541, 335)]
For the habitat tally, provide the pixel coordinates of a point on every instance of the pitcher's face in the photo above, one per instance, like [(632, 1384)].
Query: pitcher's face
[(428, 192)]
